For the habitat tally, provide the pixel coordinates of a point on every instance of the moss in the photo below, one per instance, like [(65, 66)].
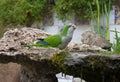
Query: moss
[(59, 59), (106, 53)]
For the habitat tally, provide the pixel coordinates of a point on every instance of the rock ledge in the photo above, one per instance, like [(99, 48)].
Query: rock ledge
[(41, 64)]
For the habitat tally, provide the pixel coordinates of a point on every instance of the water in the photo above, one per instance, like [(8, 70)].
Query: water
[(68, 78)]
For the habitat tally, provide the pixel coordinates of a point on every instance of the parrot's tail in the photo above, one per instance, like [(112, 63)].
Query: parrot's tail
[(37, 45)]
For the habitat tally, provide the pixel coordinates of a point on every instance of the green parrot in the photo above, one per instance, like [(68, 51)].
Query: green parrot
[(60, 40)]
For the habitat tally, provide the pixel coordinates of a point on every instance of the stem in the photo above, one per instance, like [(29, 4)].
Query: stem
[(98, 16), (107, 13), (92, 16), (103, 13)]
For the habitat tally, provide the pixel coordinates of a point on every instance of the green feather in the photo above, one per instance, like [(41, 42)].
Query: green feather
[(65, 30), (53, 40)]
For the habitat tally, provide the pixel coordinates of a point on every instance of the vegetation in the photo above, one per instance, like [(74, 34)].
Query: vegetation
[(58, 59), (79, 7), (116, 45), (25, 12), (103, 9)]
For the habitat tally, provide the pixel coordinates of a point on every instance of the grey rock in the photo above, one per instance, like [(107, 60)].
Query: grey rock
[(15, 37), (91, 38)]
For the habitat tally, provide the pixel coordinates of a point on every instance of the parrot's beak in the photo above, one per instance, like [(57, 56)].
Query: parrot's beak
[(74, 27)]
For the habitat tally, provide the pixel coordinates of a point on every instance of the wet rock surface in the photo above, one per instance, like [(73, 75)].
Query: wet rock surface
[(41, 64)]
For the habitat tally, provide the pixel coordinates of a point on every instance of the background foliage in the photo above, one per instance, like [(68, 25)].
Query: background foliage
[(79, 7), (25, 12)]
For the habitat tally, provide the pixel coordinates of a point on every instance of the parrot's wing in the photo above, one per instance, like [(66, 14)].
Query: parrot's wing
[(53, 40)]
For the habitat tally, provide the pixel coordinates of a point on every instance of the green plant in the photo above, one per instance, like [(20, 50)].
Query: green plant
[(116, 45), (107, 14), (23, 12), (98, 16), (103, 9)]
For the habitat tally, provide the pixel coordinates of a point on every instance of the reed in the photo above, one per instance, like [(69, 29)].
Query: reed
[(98, 16), (102, 8), (116, 45), (107, 14)]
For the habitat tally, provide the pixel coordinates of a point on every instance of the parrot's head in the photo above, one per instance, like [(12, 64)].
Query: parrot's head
[(71, 29), (72, 26), (68, 29)]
